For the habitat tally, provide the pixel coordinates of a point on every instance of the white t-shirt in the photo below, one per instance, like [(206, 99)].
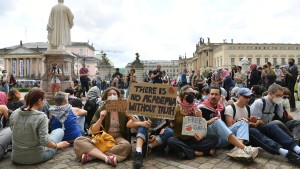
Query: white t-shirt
[(240, 112), (55, 76)]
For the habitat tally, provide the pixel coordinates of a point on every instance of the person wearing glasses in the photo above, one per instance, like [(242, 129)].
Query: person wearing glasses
[(273, 138)]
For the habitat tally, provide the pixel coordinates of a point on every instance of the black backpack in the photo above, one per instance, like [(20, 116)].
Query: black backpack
[(264, 106), (234, 112), (91, 107)]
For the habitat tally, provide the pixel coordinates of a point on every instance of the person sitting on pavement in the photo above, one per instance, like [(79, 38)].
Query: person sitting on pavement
[(287, 122), (238, 135), (5, 131), (268, 135), (31, 143), (13, 99), (114, 124), (189, 146), (73, 100), (3, 98), (156, 142), (64, 116)]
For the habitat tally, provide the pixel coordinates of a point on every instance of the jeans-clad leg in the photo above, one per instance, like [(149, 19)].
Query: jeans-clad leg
[(258, 139), (218, 128), (274, 132), (80, 122), (56, 136), (188, 147), (5, 139)]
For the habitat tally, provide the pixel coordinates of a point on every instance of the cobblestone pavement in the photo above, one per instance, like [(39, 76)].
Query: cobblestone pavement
[(66, 159)]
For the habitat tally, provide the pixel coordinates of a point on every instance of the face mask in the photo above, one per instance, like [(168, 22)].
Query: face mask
[(112, 97), (291, 63), (277, 100), (190, 98), (204, 97)]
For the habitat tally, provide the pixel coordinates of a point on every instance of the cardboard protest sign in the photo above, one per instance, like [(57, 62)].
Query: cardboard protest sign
[(191, 125), (116, 105), (152, 100)]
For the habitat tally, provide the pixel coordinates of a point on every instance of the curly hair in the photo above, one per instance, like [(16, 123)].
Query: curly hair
[(33, 97), (104, 96), (13, 94)]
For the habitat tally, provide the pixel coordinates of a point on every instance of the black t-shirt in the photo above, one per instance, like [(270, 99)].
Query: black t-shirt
[(157, 79)]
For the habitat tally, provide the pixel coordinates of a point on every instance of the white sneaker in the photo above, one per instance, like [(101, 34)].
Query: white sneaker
[(239, 154), (253, 151)]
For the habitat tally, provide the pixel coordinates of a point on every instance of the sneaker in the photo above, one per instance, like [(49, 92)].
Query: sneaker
[(138, 160), (239, 154), (112, 160), (253, 151), (293, 158), (85, 158)]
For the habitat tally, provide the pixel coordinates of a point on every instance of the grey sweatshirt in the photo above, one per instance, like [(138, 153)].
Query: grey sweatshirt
[(29, 136)]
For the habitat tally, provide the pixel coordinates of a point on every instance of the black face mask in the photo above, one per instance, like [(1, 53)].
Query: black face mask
[(190, 97), (291, 63)]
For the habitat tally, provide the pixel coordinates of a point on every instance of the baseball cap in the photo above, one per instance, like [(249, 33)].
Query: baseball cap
[(245, 92)]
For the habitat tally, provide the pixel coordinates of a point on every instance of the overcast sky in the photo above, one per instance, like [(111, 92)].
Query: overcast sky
[(157, 29)]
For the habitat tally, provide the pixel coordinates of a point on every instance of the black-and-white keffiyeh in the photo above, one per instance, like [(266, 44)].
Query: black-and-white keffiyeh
[(61, 113)]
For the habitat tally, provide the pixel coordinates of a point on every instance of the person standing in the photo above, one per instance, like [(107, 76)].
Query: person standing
[(291, 72), (55, 75), (254, 77), (156, 75), (59, 24), (84, 79), (12, 81), (279, 75), (4, 81), (239, 78), (131, 78)]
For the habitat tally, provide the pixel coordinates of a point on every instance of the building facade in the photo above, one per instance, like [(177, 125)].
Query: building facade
[(225, 55), (26, 61), (169, 66)]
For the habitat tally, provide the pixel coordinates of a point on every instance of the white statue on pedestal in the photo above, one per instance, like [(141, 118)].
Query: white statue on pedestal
[(59, 25), (245, 64)]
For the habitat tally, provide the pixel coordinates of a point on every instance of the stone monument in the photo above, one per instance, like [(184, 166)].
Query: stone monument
[(58, 27), (104, 67), (245, 64), (139, 68)]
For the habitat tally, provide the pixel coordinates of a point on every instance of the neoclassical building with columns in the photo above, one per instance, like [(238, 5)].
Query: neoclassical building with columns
[(26, 61), (224, 55)]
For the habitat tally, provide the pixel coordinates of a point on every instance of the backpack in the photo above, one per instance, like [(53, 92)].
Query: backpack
[(234, 112), (91, 107), (264, 106)]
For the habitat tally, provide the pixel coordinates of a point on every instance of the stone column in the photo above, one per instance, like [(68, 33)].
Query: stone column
[(25, 67), (18, 68), (30, 67)]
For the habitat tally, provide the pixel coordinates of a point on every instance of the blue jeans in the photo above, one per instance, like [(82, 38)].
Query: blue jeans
[(271, 137), (218, 128), (99, 86), (189, 146), (80, 122), (4, 87), (142, 132), (5, 139), (56, 136)]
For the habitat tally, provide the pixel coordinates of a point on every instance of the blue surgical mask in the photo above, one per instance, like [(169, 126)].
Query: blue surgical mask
[(204, 97)]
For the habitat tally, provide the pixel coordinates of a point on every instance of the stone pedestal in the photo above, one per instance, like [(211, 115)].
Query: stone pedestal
[(104, 68), (139, 71), (139, 68), (65, 62)]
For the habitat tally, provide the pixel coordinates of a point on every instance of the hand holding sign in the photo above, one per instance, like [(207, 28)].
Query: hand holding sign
[(194, 126)]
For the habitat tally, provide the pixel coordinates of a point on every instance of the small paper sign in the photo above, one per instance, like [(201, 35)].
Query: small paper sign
[(192, 125), (116, 105)]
